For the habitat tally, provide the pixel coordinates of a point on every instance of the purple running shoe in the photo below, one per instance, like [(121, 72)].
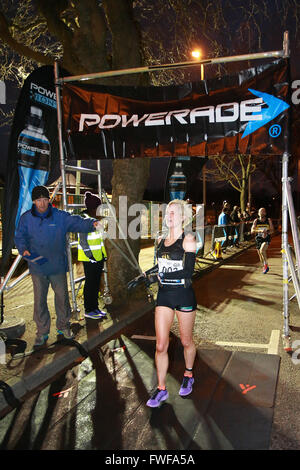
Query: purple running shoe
[(186, 386), (157, 398)]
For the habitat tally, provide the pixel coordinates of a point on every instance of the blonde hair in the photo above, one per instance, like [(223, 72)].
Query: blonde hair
[(183, 204), (180, 202)]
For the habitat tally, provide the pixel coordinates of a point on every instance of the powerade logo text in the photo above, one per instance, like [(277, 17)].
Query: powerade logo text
[(258, 112), (30, 150), (41, 95)]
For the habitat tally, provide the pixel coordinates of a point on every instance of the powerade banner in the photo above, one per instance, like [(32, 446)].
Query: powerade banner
[(33, 153), (242, 113)]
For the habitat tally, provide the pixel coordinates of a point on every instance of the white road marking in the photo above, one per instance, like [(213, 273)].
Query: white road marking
[(272, 346), (237, 266), (274, 342)]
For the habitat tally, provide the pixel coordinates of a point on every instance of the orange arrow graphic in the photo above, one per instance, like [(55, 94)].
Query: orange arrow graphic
[(246, 388)]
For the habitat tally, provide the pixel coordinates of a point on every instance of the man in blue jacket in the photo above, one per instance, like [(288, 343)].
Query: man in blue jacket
[(41, 238)]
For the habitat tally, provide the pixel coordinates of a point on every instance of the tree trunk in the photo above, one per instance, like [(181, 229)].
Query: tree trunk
[(129, 180), (243, 194)]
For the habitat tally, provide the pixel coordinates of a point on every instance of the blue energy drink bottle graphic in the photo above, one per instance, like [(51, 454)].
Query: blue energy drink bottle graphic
[(33, 159), (177, 183)]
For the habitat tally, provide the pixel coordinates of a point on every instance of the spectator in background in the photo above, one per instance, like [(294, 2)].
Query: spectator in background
[(226, 205), (224, 216), (235, 217), (224, 219), (246, 214), (251, 211)]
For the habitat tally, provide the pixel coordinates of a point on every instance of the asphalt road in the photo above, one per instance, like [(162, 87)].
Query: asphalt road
[(239, 304), (239, 309)]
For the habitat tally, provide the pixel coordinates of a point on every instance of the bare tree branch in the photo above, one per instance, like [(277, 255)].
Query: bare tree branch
[(235, 170), (20, 48)]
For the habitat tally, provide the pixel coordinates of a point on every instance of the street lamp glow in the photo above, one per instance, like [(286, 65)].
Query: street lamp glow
[(196, 54)]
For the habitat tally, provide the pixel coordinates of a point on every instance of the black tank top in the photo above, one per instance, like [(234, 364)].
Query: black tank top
[(170, 259), (262, 225)]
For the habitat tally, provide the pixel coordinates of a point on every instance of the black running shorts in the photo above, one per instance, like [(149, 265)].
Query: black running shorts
[(260, 240), (179, 298)]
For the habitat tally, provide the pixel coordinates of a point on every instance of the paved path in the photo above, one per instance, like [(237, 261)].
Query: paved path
[(239, 319)]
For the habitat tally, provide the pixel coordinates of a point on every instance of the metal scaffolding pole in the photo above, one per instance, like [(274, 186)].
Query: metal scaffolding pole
[(64, 188), (293, 221), (176, 65), (284, 234)]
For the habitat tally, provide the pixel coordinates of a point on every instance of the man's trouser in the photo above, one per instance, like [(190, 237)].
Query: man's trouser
[(41, 313), (92, 272)]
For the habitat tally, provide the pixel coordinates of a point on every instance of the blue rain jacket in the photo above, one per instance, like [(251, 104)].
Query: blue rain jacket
[(45, 235)]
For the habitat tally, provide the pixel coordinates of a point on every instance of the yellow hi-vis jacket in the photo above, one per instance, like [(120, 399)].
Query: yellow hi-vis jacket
[(90, 246)]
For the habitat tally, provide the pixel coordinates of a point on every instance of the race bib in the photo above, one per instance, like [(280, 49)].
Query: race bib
[(170, 266)]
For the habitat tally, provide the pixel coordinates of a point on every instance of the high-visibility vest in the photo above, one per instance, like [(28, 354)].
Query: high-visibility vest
[(95, 245)]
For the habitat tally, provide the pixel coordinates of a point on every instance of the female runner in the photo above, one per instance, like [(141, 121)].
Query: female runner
[(176, 253)]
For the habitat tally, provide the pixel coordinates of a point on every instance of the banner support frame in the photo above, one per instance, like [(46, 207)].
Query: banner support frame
[(64, 188), (284, 53), (157, 68), (285, 213)]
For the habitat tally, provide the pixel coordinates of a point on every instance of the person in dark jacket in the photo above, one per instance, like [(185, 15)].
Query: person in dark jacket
[(235, 217), (41, 239), (92, 253)]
